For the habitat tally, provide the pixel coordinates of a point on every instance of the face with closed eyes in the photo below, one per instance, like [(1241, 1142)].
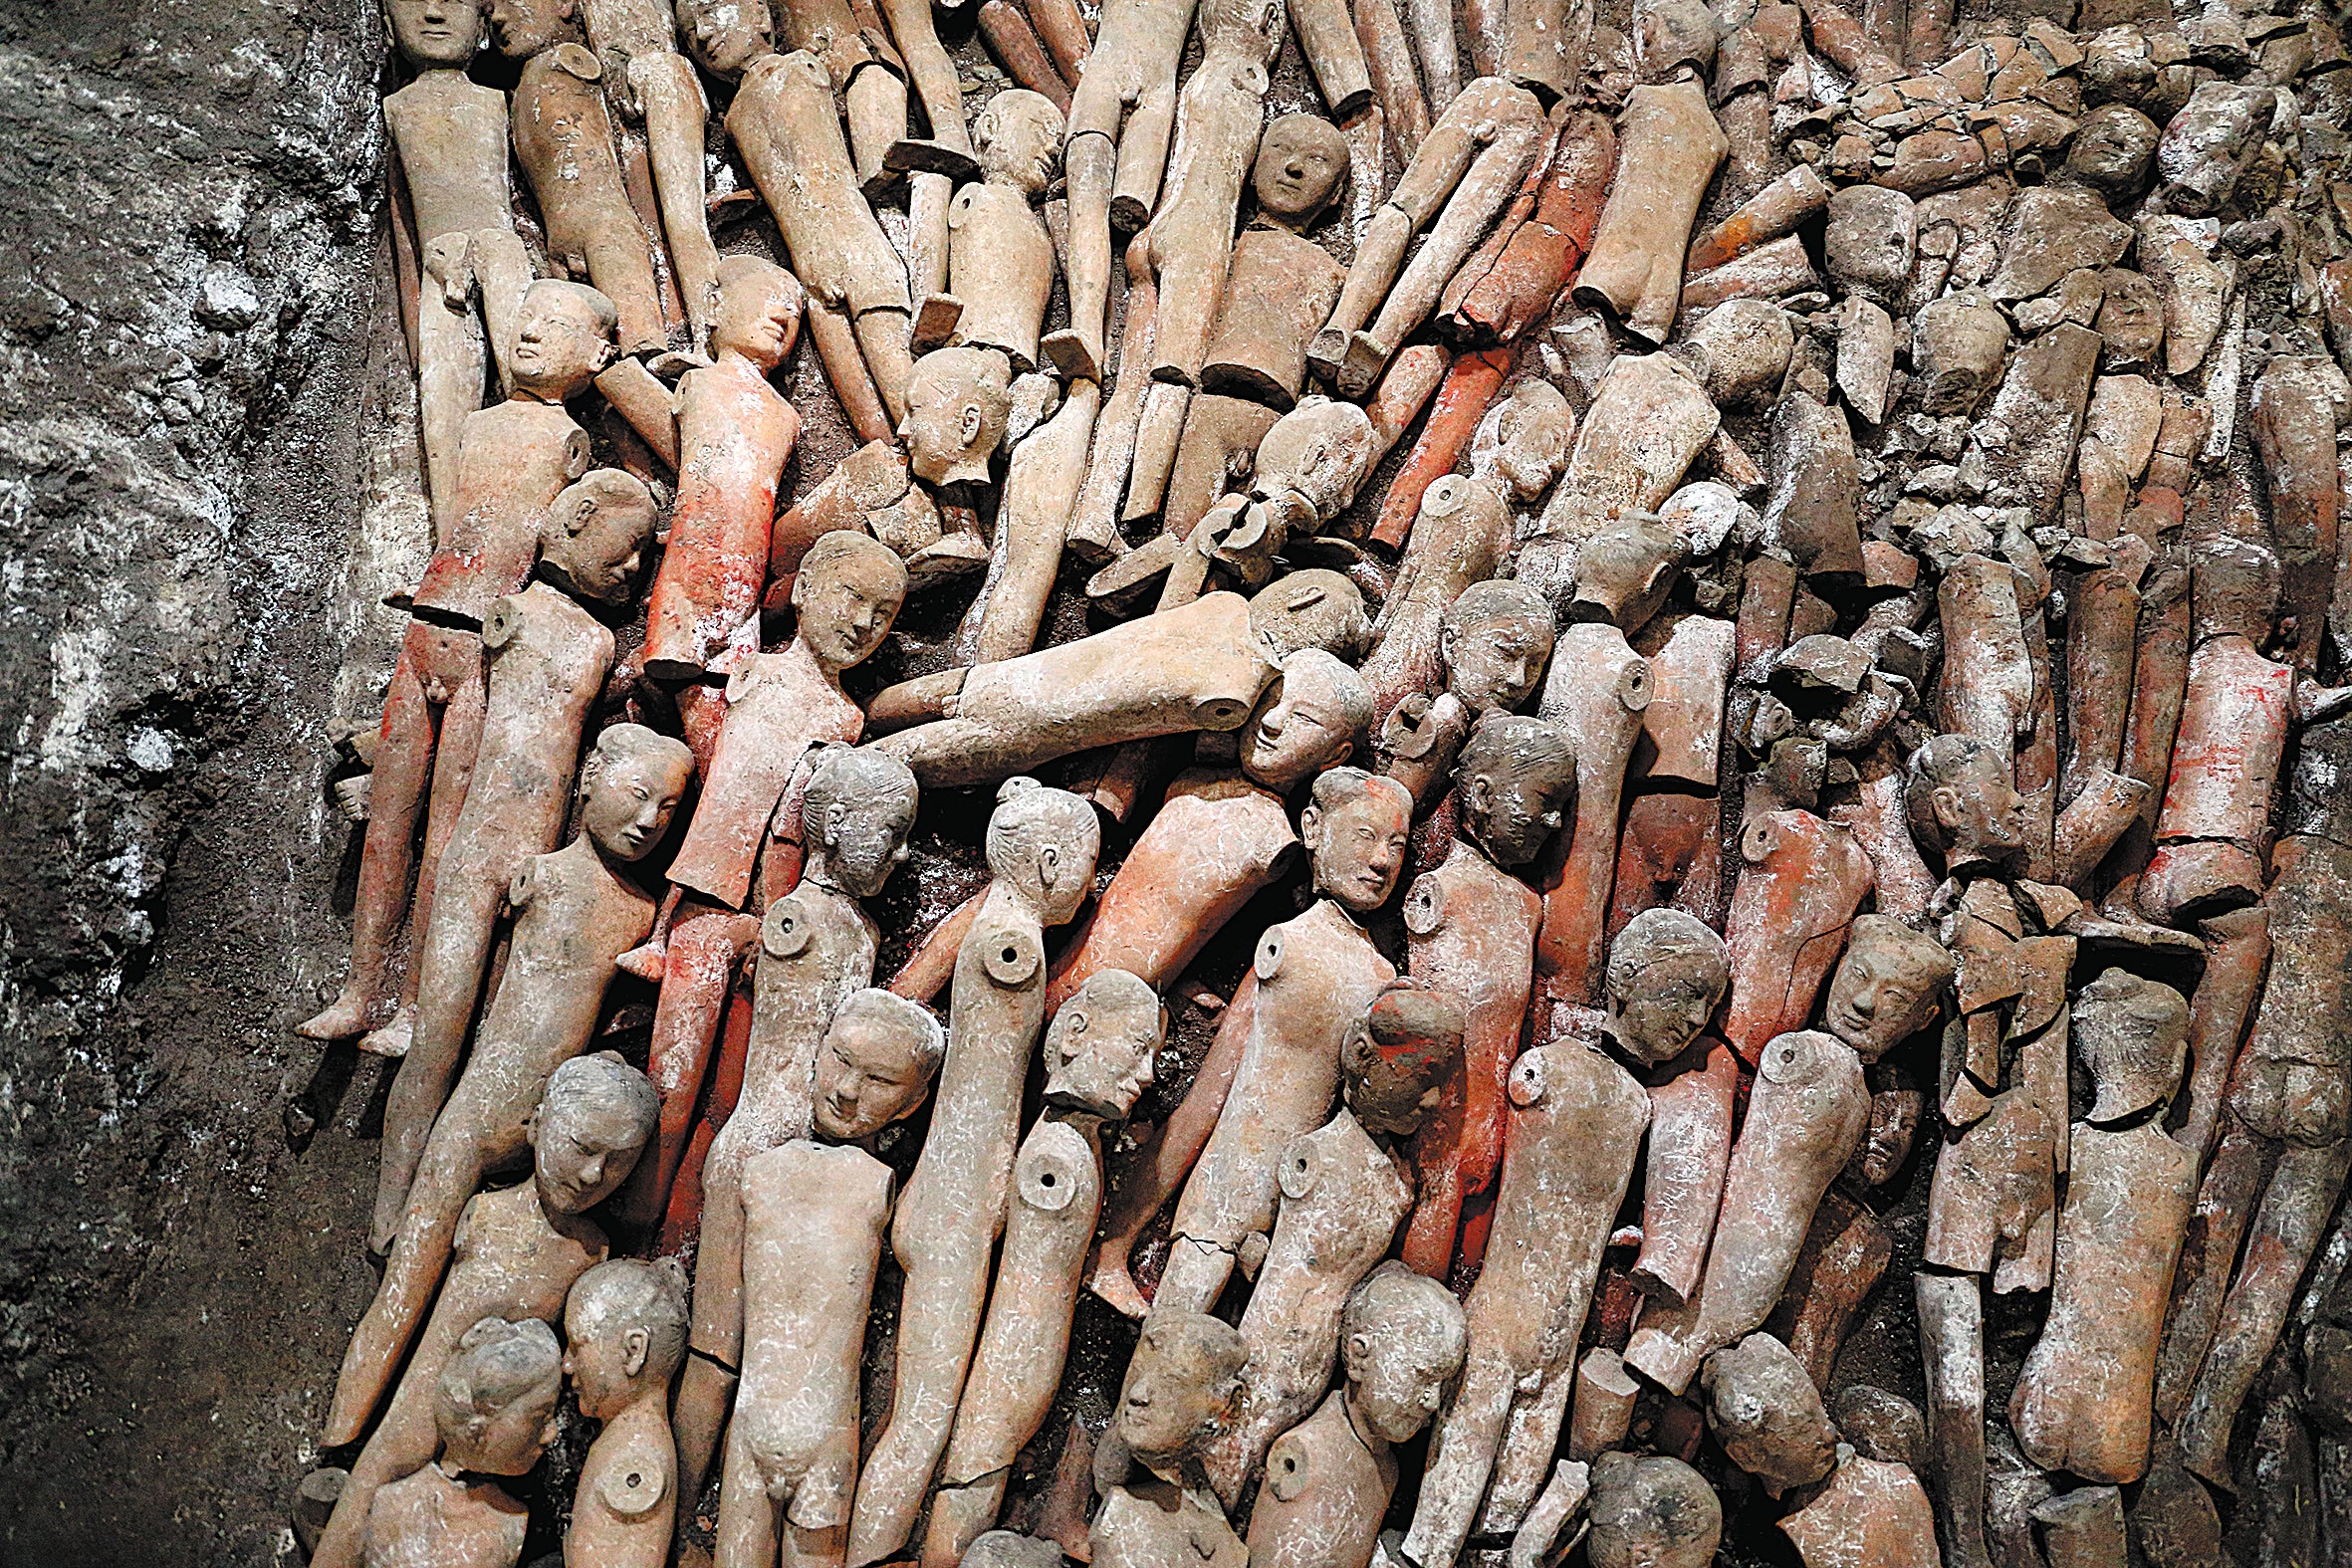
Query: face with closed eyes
[(1511, 810), (724, 35), (1358, 846), (584, 1145), (631, 800), (1300, 163), (1300, 727), (1493, 665), (870, 1071)]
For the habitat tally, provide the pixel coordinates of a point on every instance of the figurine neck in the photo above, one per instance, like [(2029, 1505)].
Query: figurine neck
[(1357, 1423)]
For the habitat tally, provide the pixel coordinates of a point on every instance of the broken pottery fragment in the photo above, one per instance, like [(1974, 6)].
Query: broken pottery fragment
[(1651, 1511), (1762, 1408), (1872, 1514)]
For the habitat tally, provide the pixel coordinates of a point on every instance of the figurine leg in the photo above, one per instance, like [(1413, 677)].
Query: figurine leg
[(1952, 1344), (453, 776), (699, 1412), (748, 1519), (1156, 1170), (883, 339), (960, 1515), (1433, 42), (674, 116), (1143, 156), (401, 1444), (933, 76), (404, 770), (1089, 160), (877, 103), (1195, 1277), (1524, 1462), (449, 369), (445, 1180), (698, 976), (807, 1548), (845, 372), (1461, 1455), (502, 267), (456, 949)]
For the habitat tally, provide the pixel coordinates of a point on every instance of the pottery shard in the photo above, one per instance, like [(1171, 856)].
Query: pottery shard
[(1865, 356), (2037, 416), (1764, 1409), (1871, 240), (2052, 230), (1957, 346), (2210, 141), (2178, 255), (1816, 488), (1872, 1514)]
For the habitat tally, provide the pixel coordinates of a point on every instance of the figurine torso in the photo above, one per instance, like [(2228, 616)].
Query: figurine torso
[(1315, 976), (796, 993), (778, 706), (1216, 842), (623, 1513), (1151, 1524), (514, 460), (1001, 265), (813, 1238), (451, 135), (735, 434), (507, 1261), (563, 140), (432, 1520), (1323, 1497), (545, 673)]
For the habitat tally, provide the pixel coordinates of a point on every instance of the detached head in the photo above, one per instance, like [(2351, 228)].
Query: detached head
[(1398, 1057), (957, 403), (759, 311), (1355, 827), (1314, 608), (875, 1064), (1403, 1338), (595, 534), (624, 1332), (565, 334), (846, 597), (855, 815), (2133, 1035), (1517, 777), (1495, 639), (435, 35), (1532, 436), (1887, 985), (1043, 842), (1667, 975), (1018, 137), (1100, 1047), (1182, 1389), (524, 28), (1960, 802), (724, 36), (1309, 718), (1320, 450), (495, 1404), (629, 788), (595, 1118), (1301, 159)]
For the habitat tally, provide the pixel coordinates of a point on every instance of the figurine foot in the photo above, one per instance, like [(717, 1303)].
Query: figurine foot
[(935, 323), (344, 1016), (1116, 1286), (954, 555), (1070, 356), (1366, 359), (1325, 354), (649, 962), (931, 158), (394, 1039)]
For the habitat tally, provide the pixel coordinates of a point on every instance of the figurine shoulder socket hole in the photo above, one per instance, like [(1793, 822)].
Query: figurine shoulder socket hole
[(1788, 1059), (1425, 905), (632, 1490), (1526, 1079), (785, 931), (1297, 1171), (1047, 1180), (1633, 686), (1287, 1467), (1012, 958), (1269, 962), (500, 624)]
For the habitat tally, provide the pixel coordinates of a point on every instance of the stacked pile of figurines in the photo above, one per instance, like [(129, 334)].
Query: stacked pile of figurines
[(1682, 831)]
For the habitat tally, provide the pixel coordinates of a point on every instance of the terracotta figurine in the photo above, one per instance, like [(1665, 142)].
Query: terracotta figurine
[(624, 1328), (1180, 1391), (495, 1413)]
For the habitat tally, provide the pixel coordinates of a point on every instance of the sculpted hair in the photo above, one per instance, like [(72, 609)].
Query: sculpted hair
[(1355, 698), (740, 271), (627, 1292), (843, 547), (1393, 1291), (891, 1010), (607, 317), (1656, 934), (499, 1364), (1940, 763), (620, 743), (1509, 742), (1482, 604), (1335, 787), (605, 1080), (854, 776)]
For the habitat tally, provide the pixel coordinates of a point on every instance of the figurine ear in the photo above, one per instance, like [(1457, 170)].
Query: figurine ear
[(1049, 864), (636, 1345), (973, 419), (1950, 810), (1310, 828)]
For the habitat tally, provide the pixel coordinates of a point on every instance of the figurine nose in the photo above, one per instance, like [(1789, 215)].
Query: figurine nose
[(1866, 1000)]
